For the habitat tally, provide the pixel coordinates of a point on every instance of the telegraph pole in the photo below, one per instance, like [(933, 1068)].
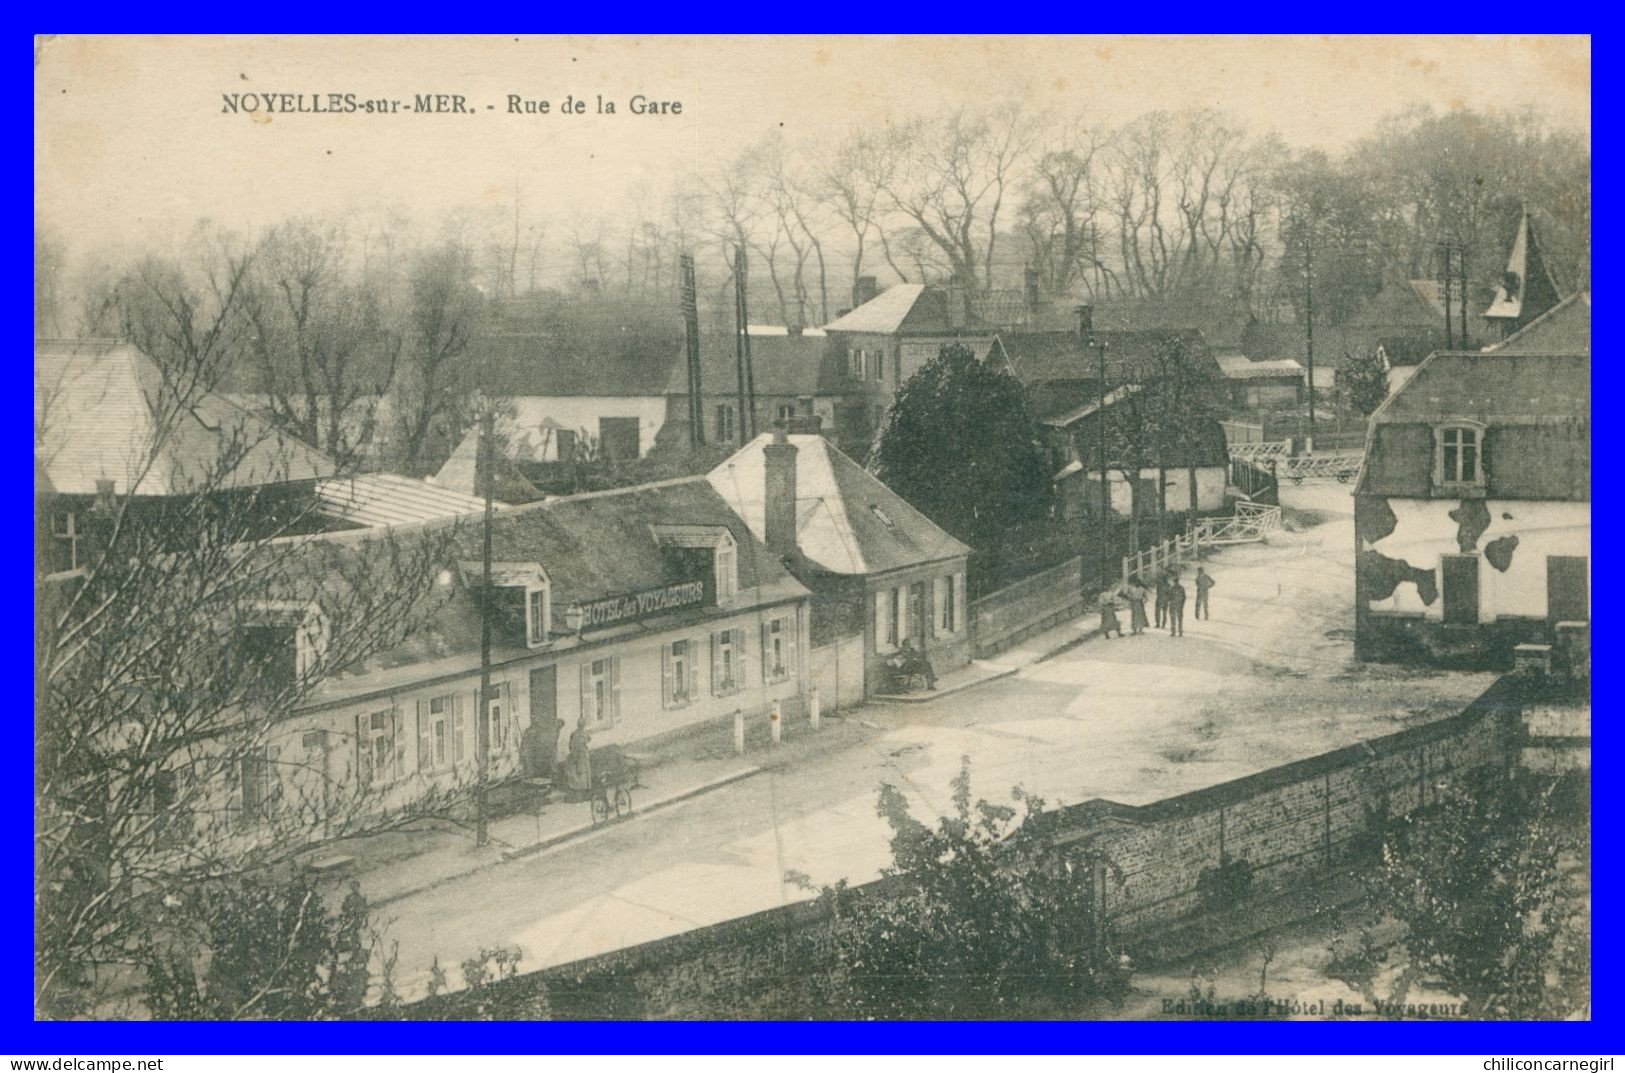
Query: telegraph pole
[(1461, 265), (1449, 337), (747, 378), (482, 720), (1309, 323), (691, 326), (1086, 335)]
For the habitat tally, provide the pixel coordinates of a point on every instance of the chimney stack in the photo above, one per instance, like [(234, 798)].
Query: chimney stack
[(779, 514), (1086, 320), (864, 289)]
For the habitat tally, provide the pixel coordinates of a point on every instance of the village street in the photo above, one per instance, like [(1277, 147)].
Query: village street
[(1269, 679)]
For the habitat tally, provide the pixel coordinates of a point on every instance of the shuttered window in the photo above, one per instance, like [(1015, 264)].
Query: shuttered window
[(679, 677), (727, 662), (601, 691), (779, 648)]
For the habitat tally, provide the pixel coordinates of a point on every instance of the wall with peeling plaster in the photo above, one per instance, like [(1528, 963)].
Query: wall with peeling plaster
[(1424, 530)]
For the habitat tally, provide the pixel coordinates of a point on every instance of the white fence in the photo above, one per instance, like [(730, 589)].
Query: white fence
[(1252, 522)]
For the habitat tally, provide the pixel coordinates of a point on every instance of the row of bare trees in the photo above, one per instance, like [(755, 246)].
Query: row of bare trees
[(1169, 205)]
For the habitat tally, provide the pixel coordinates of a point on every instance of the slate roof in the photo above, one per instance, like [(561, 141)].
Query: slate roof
[(887, 312), (103, 410), (1563, 329), (601, 352), (1536, 409), (838, 528)]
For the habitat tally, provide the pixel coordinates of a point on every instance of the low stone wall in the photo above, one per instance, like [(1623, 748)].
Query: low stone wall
[(1033, 604), (1151, 867)]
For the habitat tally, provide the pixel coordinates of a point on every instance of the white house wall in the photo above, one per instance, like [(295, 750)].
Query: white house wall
[(1424, 531), (1210, 485), (580, 413)]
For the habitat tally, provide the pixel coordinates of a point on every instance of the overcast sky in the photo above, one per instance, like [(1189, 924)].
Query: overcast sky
[(131, 143)]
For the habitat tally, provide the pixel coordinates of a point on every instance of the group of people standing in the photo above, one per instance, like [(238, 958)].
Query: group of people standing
[(1169, 605)]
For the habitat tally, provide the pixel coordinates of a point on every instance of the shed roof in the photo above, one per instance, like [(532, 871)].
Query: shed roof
[(847, 521), (103, 410), (1241, 367), (389, 499)]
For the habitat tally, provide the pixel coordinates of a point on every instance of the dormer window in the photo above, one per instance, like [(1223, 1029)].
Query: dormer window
[(284, 641), (693, 550), (727, 568), (520, 601), (1459, 455)]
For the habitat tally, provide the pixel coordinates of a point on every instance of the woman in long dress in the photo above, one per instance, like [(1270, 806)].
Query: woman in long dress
[(1136, 607), (578, 766)]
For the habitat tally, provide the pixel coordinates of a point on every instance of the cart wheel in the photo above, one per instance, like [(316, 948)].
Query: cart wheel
[(1342, 478), (623, 801), (600, 808)]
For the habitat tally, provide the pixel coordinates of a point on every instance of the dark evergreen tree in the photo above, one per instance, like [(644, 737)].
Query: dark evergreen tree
[(961, 445)]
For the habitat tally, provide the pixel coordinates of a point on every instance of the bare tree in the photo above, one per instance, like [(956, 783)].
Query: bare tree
[(434, 382), (323, 352), (952, 177)]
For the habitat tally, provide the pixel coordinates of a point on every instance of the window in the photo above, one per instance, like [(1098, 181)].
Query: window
[(943, 595), (727, 662), (678, 677), (65, 530), (1460, 456), (877, 364), (899, 608), (779, 648), (566, 445), (601, 691), (725, 422), (171, 822), (886, 619), (260, 787), (496, 716), (784, 414), (536, 615), (854, 363), (727, 568), (440, 732), (284, 641), (375, 747), (958, 589)]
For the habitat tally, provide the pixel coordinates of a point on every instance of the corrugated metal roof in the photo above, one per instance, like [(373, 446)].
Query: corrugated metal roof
[(387, 499), (838, 525), (104, 411)]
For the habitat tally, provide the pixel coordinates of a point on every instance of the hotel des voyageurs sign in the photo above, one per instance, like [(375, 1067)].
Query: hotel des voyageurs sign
[(631, 606)]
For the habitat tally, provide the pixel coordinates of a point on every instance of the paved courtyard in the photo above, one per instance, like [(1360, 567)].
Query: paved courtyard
[(1269, 679)]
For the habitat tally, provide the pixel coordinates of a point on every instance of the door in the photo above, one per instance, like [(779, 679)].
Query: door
[(1568, 588), (618, 438), (540, 746), (1460, 589)]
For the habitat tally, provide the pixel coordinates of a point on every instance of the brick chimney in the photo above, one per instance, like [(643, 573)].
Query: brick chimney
[(865, 288), (1086, 320), (779, 515)]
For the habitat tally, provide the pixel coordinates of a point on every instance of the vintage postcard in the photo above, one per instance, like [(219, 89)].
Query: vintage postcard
[(812, 527)]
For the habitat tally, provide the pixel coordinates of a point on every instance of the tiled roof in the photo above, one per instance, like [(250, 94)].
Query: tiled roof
[(103, 410), (387, 499), (1563, 329), (1536, 409), (781, 364), (1038, 357), (600, 352), (838, 525)]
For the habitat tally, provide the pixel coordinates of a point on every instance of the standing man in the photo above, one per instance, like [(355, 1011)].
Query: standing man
[(1204, 582), (1176, 609), (1162, 600)]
